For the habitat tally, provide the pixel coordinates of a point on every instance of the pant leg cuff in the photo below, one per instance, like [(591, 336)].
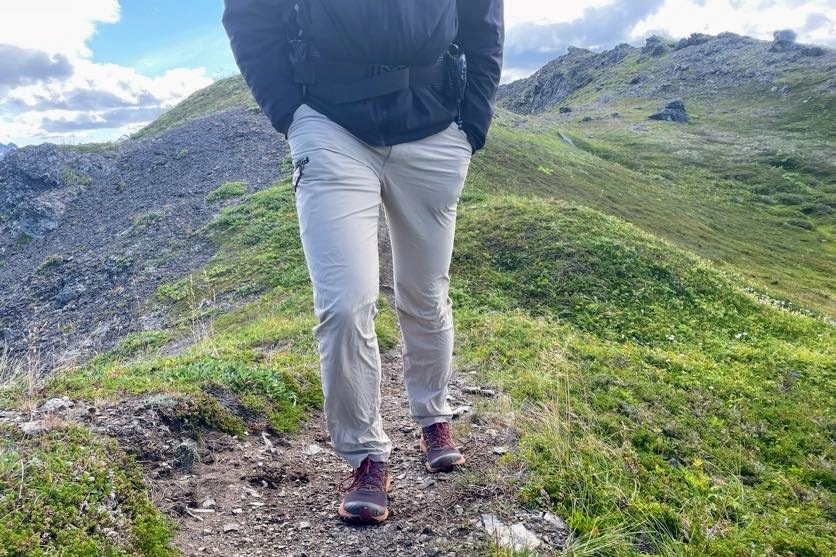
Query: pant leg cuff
[(356, 460), (426, 422)]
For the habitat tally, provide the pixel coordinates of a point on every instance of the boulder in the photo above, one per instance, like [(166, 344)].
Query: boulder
[(694, 40), (655, 46), (575, 51), (784, 40), (674, 111)]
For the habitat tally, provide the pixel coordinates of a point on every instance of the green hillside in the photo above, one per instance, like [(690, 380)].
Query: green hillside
[(651, 299), (750, 184)]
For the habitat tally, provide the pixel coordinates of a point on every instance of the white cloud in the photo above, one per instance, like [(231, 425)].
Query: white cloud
[(539, 30), (547, 11), (91, 101), (54, 26), (755, 18)]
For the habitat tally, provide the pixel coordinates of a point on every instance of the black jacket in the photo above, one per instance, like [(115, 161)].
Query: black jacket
[(380, 29)]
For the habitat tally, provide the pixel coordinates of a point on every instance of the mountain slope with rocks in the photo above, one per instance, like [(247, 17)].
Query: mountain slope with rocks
[(645, 344), (86, 237), (698, 67)]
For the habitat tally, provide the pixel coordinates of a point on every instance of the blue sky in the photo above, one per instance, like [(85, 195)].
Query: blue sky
[(154, 36), (75, 71)]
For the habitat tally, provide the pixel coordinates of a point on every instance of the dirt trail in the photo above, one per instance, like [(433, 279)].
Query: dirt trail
[(282, 499)]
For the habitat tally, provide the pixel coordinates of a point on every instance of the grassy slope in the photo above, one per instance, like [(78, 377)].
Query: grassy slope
[(664, 408), (749, 184)]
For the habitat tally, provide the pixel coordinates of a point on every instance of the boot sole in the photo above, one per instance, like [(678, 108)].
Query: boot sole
[(433, 470), (360, 518)]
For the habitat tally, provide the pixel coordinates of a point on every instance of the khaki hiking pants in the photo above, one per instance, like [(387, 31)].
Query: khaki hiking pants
[(340, 183)]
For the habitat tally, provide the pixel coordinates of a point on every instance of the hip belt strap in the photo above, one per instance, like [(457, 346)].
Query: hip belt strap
[(346, 83)]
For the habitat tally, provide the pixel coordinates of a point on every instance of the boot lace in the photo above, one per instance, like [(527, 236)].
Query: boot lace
[(370, 476), (439, 435)]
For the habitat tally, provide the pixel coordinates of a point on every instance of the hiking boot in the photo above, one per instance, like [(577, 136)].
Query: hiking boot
[(437, 444), (364, 493)]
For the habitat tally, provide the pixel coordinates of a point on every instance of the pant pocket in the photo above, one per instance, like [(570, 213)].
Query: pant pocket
[(299, 172)]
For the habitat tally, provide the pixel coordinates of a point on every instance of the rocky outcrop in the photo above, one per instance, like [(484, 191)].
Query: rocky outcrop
[(695, 39), (674, 111), (700, 66), (559, 79), (784, 40), (656, 46)]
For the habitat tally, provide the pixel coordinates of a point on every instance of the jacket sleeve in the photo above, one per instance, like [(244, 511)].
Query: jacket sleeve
[(481, 36), (258, 33)]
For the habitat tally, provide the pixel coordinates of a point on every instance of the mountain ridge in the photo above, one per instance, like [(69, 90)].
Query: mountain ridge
[(698, 66)]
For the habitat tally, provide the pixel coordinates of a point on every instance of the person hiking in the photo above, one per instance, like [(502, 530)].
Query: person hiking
[(383, 102)]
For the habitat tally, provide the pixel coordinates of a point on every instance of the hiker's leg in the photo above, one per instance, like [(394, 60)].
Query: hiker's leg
[(338, 203), (422, 182)]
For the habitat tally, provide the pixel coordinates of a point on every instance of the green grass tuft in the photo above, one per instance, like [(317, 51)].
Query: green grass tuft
[(227, 191), (53, 260), (67, 492), (147, 219)]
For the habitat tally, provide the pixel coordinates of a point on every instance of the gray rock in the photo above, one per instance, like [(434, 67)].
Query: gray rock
[(55, 404), (461, 411), (312, 450), (565, 138), (555, 521), (784, 40), (695, 39), (813, 51), (674, 111), (68, 294), (185, 455), (33, 428), (655, 46), (514, 538), (6, 147), (231, 527)]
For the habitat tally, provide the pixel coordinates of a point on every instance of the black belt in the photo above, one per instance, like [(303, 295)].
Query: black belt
[(345, 83)]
